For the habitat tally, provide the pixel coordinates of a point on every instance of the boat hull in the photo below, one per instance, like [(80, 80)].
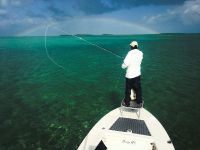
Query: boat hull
[(125, 128)]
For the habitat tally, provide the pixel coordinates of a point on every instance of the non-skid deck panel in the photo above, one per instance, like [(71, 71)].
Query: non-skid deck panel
[(133, 125)]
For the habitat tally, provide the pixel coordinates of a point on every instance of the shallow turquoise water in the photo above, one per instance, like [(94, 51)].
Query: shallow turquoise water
[(47, 107)]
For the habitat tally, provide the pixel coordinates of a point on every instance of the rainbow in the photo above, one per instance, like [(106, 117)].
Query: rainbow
[(91, 25)]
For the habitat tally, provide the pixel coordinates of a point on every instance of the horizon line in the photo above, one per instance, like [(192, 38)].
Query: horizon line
[(103, 34)]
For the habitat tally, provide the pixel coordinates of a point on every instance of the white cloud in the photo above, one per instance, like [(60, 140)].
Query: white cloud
[(2, 12), (16, 2), (4, 3), (188, 14), (191, 12)]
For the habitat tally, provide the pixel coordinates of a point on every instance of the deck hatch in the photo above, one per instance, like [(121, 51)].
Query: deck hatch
[(133, 125)]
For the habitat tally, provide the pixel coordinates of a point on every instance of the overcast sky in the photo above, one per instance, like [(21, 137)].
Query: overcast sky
[(31, 17)]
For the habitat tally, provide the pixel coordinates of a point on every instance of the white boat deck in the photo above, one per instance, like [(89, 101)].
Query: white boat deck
[(118, 140)]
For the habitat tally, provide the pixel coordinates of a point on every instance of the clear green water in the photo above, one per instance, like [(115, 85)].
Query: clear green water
[(44, 107)]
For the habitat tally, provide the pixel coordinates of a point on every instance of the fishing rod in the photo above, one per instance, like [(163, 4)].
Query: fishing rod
[(80, 38)]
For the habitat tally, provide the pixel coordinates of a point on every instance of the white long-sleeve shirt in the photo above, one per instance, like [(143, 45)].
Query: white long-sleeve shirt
[(133, 62)]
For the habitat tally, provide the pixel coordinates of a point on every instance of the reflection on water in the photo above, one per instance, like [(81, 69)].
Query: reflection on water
[(46, 107)]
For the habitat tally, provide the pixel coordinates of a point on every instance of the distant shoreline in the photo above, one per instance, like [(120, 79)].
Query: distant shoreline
[(121, 34), (66, 35)]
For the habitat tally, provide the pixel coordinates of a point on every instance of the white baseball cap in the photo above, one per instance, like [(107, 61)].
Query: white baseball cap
[(134, 43)]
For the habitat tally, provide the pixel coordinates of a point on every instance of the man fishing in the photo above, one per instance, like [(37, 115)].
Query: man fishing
[(132, 64)]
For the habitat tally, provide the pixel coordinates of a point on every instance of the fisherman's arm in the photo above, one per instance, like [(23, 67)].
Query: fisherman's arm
[(124, 66), (126, 61)]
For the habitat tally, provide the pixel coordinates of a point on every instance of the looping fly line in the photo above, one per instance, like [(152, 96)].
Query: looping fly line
[(80, 38), (47, 53)]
